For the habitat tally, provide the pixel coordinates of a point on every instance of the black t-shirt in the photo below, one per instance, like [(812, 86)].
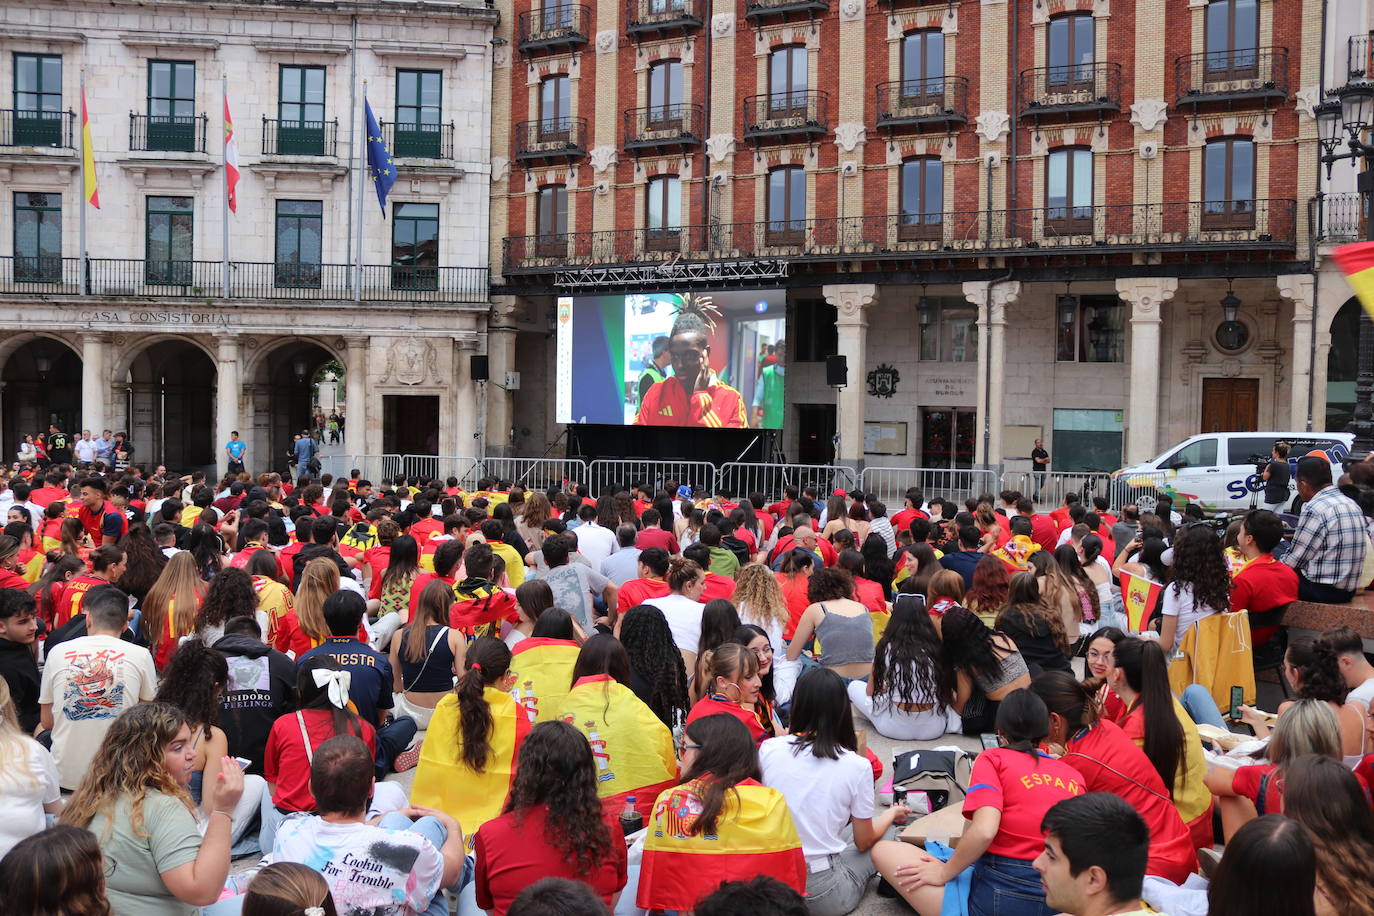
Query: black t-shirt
[(58, 442), (261, 688), (1039, 453), (20, 671), (1276, 487)]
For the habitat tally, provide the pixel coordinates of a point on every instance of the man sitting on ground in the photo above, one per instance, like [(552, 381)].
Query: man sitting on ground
[(1096, 847)]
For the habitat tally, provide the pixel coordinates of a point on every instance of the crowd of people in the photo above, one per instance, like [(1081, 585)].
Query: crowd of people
[(646, 699)]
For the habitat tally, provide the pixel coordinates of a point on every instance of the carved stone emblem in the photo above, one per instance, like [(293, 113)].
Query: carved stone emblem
[(410, 361), (882, 381)]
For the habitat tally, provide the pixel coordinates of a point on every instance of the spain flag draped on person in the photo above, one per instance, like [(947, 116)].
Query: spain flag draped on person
[(633, 749), (542, 669), (754, 836), (1357, 261)]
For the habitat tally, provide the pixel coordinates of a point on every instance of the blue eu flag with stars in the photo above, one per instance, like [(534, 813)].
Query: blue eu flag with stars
[(378, 159)]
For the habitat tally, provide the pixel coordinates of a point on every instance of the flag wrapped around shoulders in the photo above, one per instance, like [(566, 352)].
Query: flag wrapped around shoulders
[(754, 836), (632, 747), (444, 781), (1357, 261), (542, 669), (480, 603), (1139, 596)]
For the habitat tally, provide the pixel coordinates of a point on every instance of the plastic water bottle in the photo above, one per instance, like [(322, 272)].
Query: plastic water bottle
[(631, 821)]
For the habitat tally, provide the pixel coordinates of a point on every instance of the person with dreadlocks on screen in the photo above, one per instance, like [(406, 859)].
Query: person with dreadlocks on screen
[(693, 395)]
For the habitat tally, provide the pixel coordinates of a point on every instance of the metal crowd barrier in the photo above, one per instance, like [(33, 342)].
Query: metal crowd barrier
[(375, 468), (741, 478), (958, 484), (605, 472), (1048, 488), (531, 473)]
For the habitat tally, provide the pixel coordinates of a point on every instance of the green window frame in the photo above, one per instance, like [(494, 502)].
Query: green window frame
[(168, 238), (37, 100), (299, 244), (37, 237), (414, 246), (172, 105), (419, 105), (300, 110)]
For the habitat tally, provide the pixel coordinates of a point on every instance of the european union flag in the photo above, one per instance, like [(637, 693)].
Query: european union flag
[(378, 159)]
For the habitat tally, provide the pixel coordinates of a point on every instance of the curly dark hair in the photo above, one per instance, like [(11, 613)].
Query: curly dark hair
[(1025, 602), (967, 644), (555, 769), (192, 682), (1199, 562), (907, 662), (231, 594), (1319, 671), (656, 659)]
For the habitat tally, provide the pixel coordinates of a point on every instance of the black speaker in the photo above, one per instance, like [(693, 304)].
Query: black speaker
[(478, 369), (836, 371)]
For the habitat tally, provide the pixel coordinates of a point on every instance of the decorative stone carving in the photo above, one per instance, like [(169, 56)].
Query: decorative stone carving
[(410, 361), (720, 147), (723, 25), (607, 41), (602, 158), (500, 56), (1299, 288), (1145, 295), (500, 169), (1149, 114), (1002, 295), (851, 301), (1308, 97), (849, 134), (992, 126), (851, 10)]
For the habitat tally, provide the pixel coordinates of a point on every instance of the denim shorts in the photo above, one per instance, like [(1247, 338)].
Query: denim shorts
[(1006, 887)]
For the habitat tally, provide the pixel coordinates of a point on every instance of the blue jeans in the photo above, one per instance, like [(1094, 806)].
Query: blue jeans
[(1202, 709), (432, 830), (1006, 887), (391, 740)]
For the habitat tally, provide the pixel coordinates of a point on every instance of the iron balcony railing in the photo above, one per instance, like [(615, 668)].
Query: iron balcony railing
[(644, 16), (762, 9), (1359, 56), (1088, 88), (168, 133), (556, 25), (660, 126), (300, 138), (551, 138), (30, 127), (115, 277), (1341, 216), (798, 112), (1181, 226), (418, 141), (1245, 73), (937, 100)]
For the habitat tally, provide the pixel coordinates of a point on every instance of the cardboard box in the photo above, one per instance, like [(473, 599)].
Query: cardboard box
[(947, 822)]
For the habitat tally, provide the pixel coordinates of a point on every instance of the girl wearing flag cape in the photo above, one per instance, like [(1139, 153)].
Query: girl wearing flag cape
[(542, 667), (632, 749)]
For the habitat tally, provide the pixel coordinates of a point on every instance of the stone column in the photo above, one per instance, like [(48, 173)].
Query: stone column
[(1146, 296), (357, 440), (501, 333), (992, 300), (461, 440), (851, 301), (94, 382), (227, 392), (1299, 288)]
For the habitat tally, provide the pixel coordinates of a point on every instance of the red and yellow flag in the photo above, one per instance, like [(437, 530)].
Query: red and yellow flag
[(754, 836), (1357, 261), (1139, 596), (231, 160), (88, 183), (444, 781), (632, 747), (542, 669)]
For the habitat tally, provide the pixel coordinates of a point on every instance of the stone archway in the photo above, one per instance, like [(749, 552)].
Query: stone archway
[(169, 391), (1342, 365), (279, 383), (42, 385)]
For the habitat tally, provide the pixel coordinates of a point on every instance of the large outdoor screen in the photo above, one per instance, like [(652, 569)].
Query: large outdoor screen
[(714, 360)]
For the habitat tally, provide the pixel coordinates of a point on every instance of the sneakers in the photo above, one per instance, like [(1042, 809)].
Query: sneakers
[(407, 759)]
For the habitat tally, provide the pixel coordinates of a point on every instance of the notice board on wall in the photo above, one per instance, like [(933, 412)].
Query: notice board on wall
[(1018, 441)]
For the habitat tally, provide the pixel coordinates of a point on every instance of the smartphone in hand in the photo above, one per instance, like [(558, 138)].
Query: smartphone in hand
[(1237, 700)]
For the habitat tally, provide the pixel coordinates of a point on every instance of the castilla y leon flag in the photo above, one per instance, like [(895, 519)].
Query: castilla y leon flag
[(231, 160), (88, 156), (542, 669), (1139, 596)]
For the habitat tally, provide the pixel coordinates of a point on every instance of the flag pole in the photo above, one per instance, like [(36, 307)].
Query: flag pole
[(85, 191), (362, 185), (224, 111)]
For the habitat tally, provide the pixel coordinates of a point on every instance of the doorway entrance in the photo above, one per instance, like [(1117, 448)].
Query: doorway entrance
[(815, 433), (947, 437), (42, 385), (171, 388), (410, 424), (1230, 405)]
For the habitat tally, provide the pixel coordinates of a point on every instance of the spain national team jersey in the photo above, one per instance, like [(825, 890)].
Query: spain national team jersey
[(667, 403)]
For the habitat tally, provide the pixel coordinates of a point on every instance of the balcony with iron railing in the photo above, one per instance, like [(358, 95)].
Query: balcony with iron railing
[(31, 128), (802, 114), (167, 133), (1341, 217), (557, 27), (661, 128), (1246, 75), (300, 138), (551, 140), (1072, 91), (660, 17), (114, 277), (418, 141), (938, 102), (1186, 226), (760, 10), (1359, 56)]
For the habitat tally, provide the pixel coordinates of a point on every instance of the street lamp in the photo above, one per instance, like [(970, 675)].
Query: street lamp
[(1230, 304), (1351, 109), (925, 312)]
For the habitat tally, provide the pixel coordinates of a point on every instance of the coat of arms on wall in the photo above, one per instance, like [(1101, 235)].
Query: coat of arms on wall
[(882, 381)]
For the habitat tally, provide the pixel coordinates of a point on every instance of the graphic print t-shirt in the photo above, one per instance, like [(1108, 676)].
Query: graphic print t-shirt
[(370, 871)]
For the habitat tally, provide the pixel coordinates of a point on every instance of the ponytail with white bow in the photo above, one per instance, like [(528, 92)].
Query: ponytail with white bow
[(322, 683)]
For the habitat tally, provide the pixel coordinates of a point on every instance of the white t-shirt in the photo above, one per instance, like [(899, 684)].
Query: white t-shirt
[(1363, 694), (89, 681), (368, 869), (595, 542), (25, 787), (85, 450), (1178, 602), (684, 619), (822, 794)]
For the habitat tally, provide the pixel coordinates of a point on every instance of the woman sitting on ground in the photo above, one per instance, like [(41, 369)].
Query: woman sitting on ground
[(983, 666), (1269, 868), (907, 698), (56, 872), (425, 654), (657, 675), (1327, 799), (169, 611), (29, 787), (733, 673), (766, 705), (1314, 673), (718, 625), (532, 598), (988, 593), (1036, 628), (759, 602), (1066, 588), (388, 594), (288, 888), (843, 626), (231, 594)]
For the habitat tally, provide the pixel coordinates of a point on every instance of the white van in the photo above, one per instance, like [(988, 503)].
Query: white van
[(1219, 470)]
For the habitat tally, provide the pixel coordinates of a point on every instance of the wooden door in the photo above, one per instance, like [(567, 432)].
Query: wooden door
[(1230, 405)]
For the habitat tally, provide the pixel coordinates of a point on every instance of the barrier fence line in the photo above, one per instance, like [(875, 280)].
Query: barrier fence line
[(742, 478), (890, 484), (604, 472)]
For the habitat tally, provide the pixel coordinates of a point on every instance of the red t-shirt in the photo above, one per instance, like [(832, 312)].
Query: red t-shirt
[(285, 762), (765, 522), (902, 520), (1044, 532), (636, 591), (717, 586), (870, 595), (1246, 783), (1108, 520), (1003, 522), (794, 593), (287, 559), (377, 560), (657, 537), (46, 496), (1263, 584), (107, 521), (422, 529), (714, 705), (1061, 517), (74, 595), (1023, 788), (513, 854), (11, 579), (418, 585)]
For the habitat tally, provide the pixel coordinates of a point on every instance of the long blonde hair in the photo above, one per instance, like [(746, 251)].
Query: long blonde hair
[(14, 745), (180, 588), (758, 596), (129, 763), (319, 580)]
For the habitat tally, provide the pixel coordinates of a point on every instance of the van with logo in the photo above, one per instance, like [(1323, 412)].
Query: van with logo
[(1220, 471)]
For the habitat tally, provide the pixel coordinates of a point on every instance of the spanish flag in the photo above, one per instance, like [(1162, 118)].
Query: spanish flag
[(542, 669), (1357, 261), (444, 781), (632, 747), (754, 836), (1139, 596), (88, 184)]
